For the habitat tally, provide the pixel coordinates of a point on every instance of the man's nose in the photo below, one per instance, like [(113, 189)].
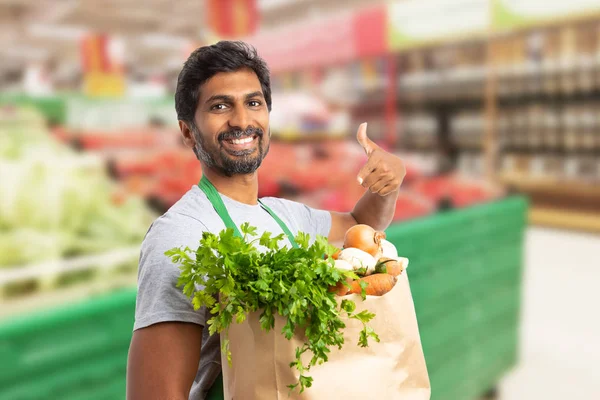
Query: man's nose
[(239, 118)]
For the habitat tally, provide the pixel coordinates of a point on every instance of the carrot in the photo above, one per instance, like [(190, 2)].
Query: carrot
[(389, 266), (334, 255), (377, 284), (340, 289)]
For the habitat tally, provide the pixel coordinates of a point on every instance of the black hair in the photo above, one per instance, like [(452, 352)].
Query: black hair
[(207, 61)]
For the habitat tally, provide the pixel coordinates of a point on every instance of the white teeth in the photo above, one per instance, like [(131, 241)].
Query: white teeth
[(242, 141)]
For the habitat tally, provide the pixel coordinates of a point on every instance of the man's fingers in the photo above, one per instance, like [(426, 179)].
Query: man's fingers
[(370, 180), (379, 185), (366, 170), (388, 189), (383, 173), (367, 144), (376, 176)]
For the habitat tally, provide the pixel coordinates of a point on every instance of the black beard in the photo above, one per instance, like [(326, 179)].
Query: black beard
[(242, 164)]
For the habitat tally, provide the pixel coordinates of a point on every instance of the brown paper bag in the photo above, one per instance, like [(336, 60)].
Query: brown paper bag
[(391, 369)]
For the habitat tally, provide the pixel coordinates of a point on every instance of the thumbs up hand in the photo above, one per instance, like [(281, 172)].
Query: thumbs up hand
[(384, 172)]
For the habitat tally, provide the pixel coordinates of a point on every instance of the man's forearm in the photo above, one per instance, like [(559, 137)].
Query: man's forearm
[(382, 176), (375, 210)]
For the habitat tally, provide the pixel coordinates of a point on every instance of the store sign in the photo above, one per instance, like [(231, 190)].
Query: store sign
[(102, 59), (519, 13), (341, 38), (232, 18), (414, 23), (306, 44)]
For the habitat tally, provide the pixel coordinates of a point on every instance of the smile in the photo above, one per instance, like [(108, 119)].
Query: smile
[(242, 141), (234, 146)]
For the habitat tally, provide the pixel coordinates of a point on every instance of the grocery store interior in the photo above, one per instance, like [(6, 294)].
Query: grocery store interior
[(493, 105)]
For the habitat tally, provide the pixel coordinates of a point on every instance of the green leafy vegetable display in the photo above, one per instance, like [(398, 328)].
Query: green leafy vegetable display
[(237, 278), (55, 202)]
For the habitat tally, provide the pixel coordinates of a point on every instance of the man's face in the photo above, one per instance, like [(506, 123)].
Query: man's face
[(232, 121)]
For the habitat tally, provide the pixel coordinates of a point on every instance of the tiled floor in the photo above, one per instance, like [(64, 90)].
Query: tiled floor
[(560, 345)]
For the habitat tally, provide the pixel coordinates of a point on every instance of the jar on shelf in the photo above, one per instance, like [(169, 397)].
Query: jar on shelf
[(568, 60), (535, 130), (570, 129), (551, 129), (502, 131), (588, 131), (550, 62)]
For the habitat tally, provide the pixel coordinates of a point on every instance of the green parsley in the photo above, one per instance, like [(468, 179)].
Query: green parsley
[(290, 282)]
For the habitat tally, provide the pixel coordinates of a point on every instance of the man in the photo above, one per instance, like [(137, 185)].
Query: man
[(223, 100)]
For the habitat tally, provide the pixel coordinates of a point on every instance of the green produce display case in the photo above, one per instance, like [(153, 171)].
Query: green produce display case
[(465, 271), (77, 111), (54, 108), (465, 274)]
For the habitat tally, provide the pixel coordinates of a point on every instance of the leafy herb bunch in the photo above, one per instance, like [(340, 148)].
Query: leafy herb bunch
[(237, 279)]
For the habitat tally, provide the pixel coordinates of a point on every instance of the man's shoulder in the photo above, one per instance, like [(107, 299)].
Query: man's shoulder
[(188, 216), (193, 204)]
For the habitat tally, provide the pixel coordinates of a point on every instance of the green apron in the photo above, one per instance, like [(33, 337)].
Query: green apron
[(216, 391)]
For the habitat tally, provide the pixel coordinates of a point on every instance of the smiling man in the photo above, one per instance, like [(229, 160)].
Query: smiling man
[(223, 101)]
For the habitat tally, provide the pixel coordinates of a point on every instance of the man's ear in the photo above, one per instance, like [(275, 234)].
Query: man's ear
[(188, 135)]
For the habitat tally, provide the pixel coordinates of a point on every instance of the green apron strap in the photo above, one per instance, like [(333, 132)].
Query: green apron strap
[(217, 202), (283, 226)]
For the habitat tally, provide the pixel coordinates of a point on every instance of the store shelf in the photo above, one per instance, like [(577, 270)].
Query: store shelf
[(297, 136), (57, 298), (551, 186), (451, 101), (565, 219), (53, 283), (51, 268)]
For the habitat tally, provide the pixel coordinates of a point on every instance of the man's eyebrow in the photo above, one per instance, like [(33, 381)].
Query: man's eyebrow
[(221, 97), (258, 93), (229, 99)]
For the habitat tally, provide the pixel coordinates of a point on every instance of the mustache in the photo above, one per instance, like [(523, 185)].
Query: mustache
[(240, 133)]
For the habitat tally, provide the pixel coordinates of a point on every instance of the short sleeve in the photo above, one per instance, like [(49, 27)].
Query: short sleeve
[(158, 297)]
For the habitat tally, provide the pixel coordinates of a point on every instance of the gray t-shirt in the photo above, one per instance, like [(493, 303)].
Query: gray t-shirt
[(158, 297)]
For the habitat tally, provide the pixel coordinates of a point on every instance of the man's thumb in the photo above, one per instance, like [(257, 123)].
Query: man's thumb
[(363, 139)]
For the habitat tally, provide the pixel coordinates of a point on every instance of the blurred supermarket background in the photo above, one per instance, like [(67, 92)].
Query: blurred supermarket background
[(494, 105)]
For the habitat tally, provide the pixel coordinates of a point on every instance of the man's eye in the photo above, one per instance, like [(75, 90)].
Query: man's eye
[(218, 107), (254, 103)]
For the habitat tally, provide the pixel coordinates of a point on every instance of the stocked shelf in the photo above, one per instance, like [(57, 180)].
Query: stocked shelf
[(24, 288), (555, 198), (58, 296), (42, 271), (552, 185), (303, 137)]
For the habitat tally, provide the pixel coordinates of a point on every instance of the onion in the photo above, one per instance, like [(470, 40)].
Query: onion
[(359, 260), (365, 238), (388, 249), (343, 265)]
